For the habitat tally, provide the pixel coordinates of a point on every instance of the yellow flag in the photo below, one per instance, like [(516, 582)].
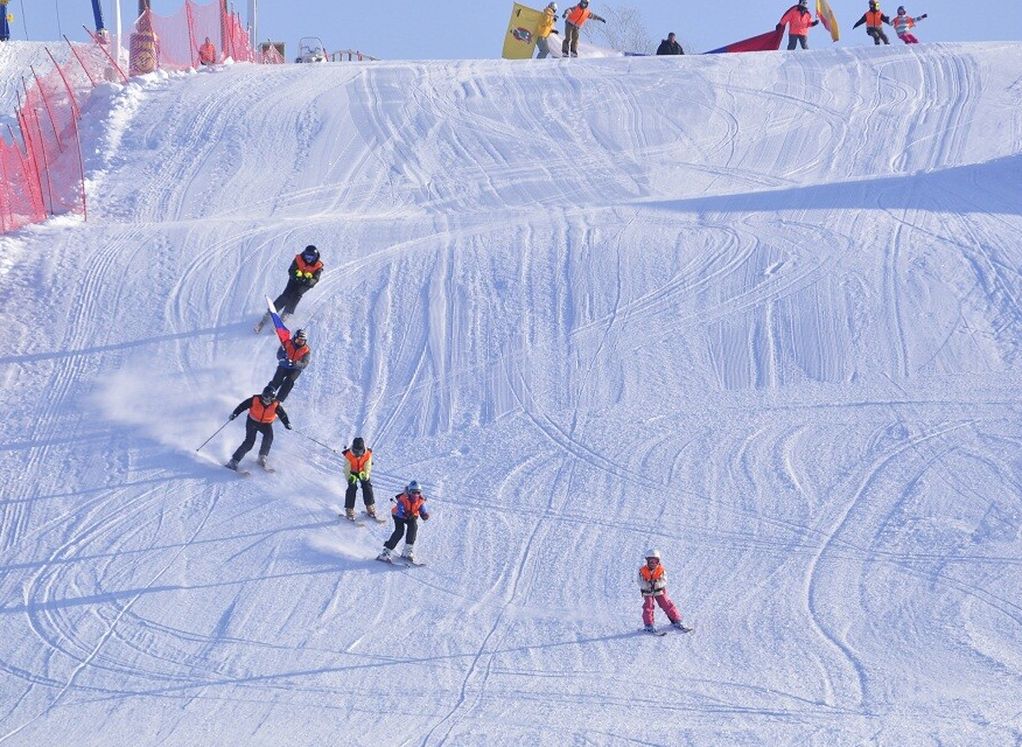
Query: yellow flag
[(520, 39), (828, 19)]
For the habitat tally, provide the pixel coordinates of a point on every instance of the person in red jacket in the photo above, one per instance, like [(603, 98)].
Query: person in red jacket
[(263, 409), (653, 585), (874, 20), (575, 18), (799, 20), (408, 507), (207, 52)]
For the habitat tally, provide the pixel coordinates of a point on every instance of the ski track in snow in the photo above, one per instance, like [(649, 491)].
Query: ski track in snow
[(763, 314)]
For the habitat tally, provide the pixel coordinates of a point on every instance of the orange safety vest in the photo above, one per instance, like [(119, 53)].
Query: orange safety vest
[(358, 463), (411, 505), (295, 353), (263, 413), (304, 266), (578, 15), (652, 575), (874, 19)]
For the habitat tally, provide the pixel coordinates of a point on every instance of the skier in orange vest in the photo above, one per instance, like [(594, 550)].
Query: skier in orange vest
[(874, 20), (302, 275), (799, 20), (263, 409), (575, 18), (408, 507), (358, 467), (653, 584), (207, 52)]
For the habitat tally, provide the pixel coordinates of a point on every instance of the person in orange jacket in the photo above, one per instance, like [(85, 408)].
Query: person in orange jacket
[(263, 409), (302, 275), (799, 20), (408, 507), (207, 53), (358, 468), (546, 27), (575, 18), (874, 20), (903, 24), (653, 585)]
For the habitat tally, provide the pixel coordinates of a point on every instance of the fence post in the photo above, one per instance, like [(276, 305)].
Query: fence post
[(77, 57), (104, 50), (42, 147), (46, 106), (75, 114)]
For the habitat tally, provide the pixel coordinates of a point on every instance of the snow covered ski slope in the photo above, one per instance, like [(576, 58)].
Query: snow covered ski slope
[(760, 311)]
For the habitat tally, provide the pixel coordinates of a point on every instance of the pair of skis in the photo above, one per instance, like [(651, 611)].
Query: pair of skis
[(388, 559), (660, 632), (248, 473), (357, 522)]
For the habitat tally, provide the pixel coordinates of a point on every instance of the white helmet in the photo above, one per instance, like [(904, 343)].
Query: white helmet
[(553, 7), (652, 554)]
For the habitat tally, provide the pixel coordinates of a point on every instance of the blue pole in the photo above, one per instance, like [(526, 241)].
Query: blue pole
[(5, 28), (97, 11)]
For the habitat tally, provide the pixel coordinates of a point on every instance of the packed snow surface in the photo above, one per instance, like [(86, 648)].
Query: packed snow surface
[(759, 311)]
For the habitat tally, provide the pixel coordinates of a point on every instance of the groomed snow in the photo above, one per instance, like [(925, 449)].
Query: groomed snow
[(760, 311)]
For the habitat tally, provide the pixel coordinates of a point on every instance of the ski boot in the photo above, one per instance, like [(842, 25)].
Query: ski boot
[(679, 625), (385, 555), (233, 464), (262, 323), (349, 514), (370, 511), (649, 628), (408, 553)]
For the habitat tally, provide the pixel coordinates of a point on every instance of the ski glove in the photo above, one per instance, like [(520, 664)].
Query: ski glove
[(363, 476), (287, 425), (352, 478), (233, 416), (922, 16)]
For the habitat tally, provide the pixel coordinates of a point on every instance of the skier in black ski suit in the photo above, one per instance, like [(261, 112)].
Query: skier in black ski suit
[(263, 409), (303, 274), (408, 507)]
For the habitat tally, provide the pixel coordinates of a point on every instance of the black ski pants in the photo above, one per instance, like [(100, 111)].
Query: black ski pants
[(367, 494), (399, 531), (283, 381), (252, 428), (794, 39), (287, 302), (878, 35)]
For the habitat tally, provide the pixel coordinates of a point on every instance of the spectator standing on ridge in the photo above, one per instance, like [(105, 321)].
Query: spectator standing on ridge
[(799, 20), (207, 53), (303, 274), (670, 45), (358, 467), (575, 18), (293, 357), (653, 585), (546, 27), (903, 24), (263, 409), (874, 20)]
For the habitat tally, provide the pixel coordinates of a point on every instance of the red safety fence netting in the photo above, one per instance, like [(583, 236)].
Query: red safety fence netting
[(40, 153), (178, 41)]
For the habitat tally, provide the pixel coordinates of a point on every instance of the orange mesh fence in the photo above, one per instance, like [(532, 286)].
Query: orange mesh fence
[(41, 161), (174, 42)]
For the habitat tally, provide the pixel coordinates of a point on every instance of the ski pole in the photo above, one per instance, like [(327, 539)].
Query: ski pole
[(317, 441), (214, 433)]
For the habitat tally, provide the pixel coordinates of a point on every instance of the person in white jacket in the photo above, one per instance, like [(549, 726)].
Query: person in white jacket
[(653, 585)]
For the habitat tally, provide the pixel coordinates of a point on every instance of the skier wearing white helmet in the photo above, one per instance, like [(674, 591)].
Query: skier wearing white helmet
[(653, 585), (546, 27)]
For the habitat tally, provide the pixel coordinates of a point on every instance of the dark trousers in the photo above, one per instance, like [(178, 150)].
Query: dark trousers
[(878, 35), (287, 302), (367, 494), (283, 381), (251, 429), (399, 531), (794, 39), (570, 43)]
